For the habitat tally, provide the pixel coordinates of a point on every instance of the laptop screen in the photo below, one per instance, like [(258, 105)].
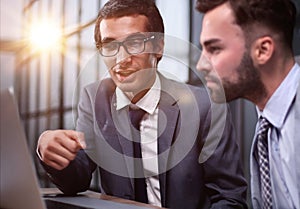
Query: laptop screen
[(19, 185)]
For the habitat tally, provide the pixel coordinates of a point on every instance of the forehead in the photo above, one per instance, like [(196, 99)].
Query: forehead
[(120, 27), (219, 24)]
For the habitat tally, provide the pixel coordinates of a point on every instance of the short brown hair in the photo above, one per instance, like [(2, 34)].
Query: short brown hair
[(277, 15), (120, 8)]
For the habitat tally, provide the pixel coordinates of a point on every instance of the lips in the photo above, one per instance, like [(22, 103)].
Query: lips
[(123, 74), (211, 80), (212, 77)]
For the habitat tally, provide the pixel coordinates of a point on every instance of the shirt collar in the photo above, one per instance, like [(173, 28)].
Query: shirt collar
[(279, 104), (148, 103)]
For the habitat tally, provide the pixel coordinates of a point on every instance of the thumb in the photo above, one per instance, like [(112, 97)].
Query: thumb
[(78, 137), (81, 139)]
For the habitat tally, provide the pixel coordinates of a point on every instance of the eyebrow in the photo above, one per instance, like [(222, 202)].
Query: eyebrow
[(107, 39), (211, 41), (133, 35)]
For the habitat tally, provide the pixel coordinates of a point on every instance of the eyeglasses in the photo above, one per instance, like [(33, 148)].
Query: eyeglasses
[(132, 46)]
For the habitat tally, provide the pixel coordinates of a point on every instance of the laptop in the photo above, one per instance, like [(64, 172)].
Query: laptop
[(18, 180)]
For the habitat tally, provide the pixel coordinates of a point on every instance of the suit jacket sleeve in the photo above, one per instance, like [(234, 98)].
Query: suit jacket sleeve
[(77, 176), (224, 178)]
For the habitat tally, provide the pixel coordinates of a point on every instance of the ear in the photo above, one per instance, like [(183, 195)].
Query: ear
[(263, 50)]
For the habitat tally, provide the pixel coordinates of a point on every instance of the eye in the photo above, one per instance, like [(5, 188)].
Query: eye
[(134, 43), (110, 46), (214, 49)]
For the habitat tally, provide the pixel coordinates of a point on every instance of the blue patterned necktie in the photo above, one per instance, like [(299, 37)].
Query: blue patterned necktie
[(264, 167)]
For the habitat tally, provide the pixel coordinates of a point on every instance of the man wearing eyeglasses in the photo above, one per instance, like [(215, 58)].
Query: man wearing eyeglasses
[(154, 159)]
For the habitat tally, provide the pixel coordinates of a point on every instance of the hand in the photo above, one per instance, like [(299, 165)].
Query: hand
[(59, 147)]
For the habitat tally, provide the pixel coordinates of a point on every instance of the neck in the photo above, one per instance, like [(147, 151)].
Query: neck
[(272, 75)]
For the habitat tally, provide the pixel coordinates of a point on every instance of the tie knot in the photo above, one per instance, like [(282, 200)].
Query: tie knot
[(136, 115), (263, 126)]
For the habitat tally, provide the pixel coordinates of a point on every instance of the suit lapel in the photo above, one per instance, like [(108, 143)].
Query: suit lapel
[(297, 133), (167, 121), (112, 126), (121, 123)]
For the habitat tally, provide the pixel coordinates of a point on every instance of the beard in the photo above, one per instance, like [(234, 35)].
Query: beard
[(249, 85)]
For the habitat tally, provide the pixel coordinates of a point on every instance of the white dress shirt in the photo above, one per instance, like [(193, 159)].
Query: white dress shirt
[(149, 135)]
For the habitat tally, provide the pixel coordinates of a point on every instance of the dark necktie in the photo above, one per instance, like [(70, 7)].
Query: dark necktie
[(264, 167), (136, 116)]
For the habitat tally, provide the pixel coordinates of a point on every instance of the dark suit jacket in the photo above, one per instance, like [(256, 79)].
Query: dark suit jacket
[(185, 124)]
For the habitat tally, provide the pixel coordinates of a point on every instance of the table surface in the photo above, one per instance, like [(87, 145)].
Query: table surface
[(96, 195)]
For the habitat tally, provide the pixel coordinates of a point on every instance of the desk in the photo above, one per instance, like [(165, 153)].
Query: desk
[(94, 195)]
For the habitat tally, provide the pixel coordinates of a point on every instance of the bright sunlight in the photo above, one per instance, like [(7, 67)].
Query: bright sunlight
[(45, 35)]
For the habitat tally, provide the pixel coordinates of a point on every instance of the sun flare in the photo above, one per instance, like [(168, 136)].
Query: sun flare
[(45, 35)]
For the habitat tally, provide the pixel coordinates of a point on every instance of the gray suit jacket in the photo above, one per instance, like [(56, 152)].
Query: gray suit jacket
[(184, 124)]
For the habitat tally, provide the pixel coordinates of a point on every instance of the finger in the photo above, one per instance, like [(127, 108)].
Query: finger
[(66, 140), (77, 136), (81, 139), (56, 161), (62, 151), (57, 166)]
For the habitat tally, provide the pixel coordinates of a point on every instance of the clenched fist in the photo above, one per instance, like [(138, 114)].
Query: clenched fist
[(58, 148)]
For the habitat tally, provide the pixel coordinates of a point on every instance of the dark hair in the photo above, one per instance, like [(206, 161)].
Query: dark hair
[(120, 8), (277, 15)]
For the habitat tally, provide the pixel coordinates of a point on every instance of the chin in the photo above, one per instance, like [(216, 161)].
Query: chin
[(218, 95), (130, 87), (126, 87), (218, 99)]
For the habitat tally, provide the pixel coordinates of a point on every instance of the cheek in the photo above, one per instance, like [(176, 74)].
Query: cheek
[(227, 64), (109, 62), (147, 60), (144, 75), (145, 78)]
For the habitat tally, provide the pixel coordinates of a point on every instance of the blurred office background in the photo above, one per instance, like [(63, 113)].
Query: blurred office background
[(48, 53)]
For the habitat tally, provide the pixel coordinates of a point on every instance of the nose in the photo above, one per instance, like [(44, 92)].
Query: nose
[(204, 64)]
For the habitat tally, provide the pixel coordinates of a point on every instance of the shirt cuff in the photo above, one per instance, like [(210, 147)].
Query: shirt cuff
[(37, 148)]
